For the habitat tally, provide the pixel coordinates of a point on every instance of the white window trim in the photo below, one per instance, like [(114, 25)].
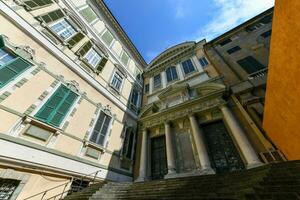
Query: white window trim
[(194, 65), (58, 34), (129, 59), (112, 42), (112, 77), (97, 52), (109, 128)]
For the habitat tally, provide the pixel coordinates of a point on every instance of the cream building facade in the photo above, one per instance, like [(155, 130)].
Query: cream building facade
[(70, 92)]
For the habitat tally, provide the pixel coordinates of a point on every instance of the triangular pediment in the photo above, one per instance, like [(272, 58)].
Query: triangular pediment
[(149, 109), (173, 89)]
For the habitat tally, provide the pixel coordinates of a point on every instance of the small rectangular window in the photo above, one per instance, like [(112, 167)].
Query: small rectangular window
[(100, 130), (134, 98), (234, 49), (57, 107), (203, 62), (92, 57), (88, 14), (64, 29), (188, 66), (267, 34), (147, 88), (117, 81), (224, 42), (157, 81), (250, 64), (107, 37)]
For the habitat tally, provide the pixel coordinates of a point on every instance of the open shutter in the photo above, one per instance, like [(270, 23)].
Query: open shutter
[(101, 64), (34, 4), (104, 129), (2, 44), (63, 109), (12, 70), (75, 39), (51, 16), (84, 49)]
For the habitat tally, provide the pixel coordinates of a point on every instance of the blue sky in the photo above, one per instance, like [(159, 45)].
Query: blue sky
[(155, 25)]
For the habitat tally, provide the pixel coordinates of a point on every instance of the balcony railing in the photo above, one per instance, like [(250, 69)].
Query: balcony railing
[(258, 74)]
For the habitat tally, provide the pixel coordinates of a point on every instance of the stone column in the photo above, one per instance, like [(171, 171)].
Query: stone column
[(200, 146), (240, 138), (143, 157), (170, 150)]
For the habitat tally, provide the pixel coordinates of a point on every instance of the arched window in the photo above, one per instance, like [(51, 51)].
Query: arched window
[(171, 74)]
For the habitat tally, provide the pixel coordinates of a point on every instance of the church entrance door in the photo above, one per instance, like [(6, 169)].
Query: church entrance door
[(158, 158)]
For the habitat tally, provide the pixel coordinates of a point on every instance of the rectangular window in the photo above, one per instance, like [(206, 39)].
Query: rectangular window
[(203, 62), (250, 64), (266, 34), (100, 130), (125, 58), (188, 66), (10, 67), (64, 29), (223, 43), (117, 81), (128, 143), (107, 37), (92, 57), (234, 49), (171, 73), (147, 88), (88, 14), (134, 98), (57, 107), (157, 81)]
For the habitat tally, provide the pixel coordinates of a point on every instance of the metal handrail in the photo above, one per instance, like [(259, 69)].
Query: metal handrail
[(80, 187), (259, 73)]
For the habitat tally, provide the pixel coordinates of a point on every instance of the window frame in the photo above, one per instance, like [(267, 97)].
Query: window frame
[(193, 64), (147, 88), (128, 131), (112, 79), (97, 53), (107, 131), (160, 82), (101, 36), (204, 59), (65, 19), (173, 79)]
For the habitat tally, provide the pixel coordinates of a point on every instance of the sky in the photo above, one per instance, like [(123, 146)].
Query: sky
[(155, 25)]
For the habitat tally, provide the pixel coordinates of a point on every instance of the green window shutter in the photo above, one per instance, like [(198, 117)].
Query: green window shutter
[(34, 4), (57, 107), (84, 49), (88, 14), (102, 64), (52, 16), (100, 129), (75, 39), (12, 69), (107, 37), (2, 44)]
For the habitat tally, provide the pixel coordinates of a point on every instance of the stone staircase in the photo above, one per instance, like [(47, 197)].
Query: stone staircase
[(279, 181)]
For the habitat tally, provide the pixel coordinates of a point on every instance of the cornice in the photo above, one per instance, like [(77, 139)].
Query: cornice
[(123, 36)]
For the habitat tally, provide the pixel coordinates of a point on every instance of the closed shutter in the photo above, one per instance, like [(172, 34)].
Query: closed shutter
[(102, 64), (34, 4), (2, 44), (97, 128), (84, 49), (75, 39), (100, 129), (129, 149), (51, 16), (88, 14), (107, 38), (250, 65), (57, 107), (12, 69)]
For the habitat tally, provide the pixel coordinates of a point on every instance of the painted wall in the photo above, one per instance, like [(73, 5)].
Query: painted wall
[(282, 107)]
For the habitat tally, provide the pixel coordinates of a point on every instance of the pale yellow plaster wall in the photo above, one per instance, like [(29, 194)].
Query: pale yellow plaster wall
[(117, 48), (79, 123), (68, 145), (39, 183), (99, 27), (7, 120), (115, 141), (22, 98)]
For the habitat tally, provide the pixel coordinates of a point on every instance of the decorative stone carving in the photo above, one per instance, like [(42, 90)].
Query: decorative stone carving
[(73, 85)]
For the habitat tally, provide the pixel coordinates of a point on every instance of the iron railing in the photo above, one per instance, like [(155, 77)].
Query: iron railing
[(91, 178), (258, 74)]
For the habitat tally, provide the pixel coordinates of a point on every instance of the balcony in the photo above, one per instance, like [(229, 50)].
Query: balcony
[(253, 80)]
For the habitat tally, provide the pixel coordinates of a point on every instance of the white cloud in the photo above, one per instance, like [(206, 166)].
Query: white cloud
[(231, 13), (179, 8)]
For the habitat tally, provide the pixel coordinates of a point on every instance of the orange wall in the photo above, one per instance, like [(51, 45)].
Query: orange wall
[(282, 106)]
